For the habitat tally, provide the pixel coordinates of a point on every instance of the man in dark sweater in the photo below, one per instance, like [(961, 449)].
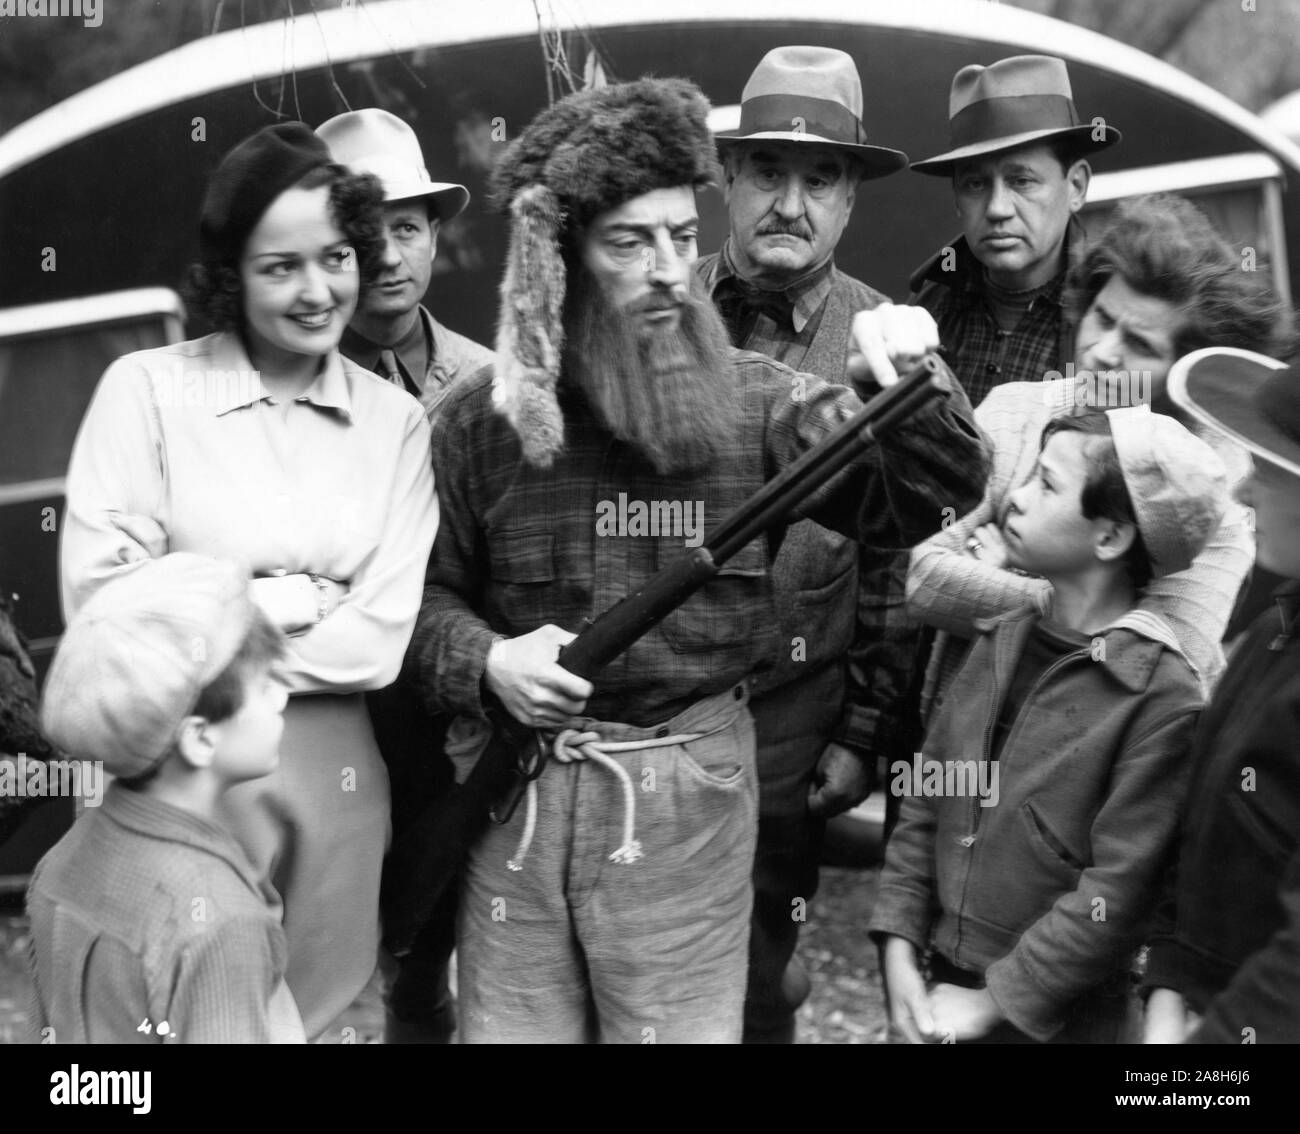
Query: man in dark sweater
[(792, 171), (1017, 162), (1224, 962)]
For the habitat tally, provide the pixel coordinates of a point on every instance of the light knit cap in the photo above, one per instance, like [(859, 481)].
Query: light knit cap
[(1177, 483), (132, 663)]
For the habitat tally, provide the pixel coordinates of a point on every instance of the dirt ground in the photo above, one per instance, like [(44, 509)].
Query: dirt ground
[(845, 1005)]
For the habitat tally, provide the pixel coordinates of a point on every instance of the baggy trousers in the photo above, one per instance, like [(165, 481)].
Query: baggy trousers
[(576, 948)]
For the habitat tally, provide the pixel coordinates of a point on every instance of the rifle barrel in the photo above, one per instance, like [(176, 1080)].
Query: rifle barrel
[(639, 611)]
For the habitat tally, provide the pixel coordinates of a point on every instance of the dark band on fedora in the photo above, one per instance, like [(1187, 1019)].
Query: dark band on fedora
[(799, 114), (1020, 101), (1007, 116)]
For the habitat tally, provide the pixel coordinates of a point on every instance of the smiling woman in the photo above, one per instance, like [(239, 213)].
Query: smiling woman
[(313, 473), (299, 277)]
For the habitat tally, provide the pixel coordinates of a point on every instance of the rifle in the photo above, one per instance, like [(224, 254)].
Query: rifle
[(439, 841)]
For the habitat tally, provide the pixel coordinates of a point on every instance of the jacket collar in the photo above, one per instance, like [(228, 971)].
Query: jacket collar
[(234, 384), (152, 818), (1128, 649), (415, 349), (806, 296)]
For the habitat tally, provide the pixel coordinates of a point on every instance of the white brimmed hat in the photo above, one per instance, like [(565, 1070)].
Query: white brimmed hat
[(374, 141)]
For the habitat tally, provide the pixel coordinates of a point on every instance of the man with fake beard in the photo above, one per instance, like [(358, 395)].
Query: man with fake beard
[(615, 903), (830, 705)]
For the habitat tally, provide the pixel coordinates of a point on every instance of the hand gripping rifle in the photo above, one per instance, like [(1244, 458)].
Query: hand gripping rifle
[(435, 848)]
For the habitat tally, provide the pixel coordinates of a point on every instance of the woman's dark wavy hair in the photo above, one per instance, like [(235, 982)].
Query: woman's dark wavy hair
[(1105, 493), (1163, 246), (213, 289)]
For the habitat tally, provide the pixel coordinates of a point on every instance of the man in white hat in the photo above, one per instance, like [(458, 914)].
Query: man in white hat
[(395, 335), (1018, 162), (792, 170), (392, 333)]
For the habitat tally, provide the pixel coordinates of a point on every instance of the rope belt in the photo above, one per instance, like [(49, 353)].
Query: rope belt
[(572, 746)]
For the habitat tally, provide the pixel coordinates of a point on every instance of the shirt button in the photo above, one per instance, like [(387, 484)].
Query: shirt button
[(993, 368)]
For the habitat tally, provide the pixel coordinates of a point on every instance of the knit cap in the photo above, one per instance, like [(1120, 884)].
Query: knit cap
[(135, 658), (1177, 483)]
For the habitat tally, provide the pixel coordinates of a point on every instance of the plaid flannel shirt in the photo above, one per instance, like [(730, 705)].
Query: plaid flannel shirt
[(882, 652), (981, 354), (519, 547), (787, 342)]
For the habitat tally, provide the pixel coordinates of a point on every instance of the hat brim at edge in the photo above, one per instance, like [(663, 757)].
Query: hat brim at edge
[(1217, 386), (878, 161), (450, 199), (942, 164)]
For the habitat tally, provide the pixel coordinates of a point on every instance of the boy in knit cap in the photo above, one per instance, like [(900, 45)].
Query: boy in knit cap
[(148, 922), (1037, 822)]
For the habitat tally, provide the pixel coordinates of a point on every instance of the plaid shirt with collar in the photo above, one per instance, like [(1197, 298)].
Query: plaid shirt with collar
[(777, 338), (519, 547), (981, 354), (450, 358)]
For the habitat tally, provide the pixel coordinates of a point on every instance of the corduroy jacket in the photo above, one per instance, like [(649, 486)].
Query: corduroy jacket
[(1048, 892), (149, 925)]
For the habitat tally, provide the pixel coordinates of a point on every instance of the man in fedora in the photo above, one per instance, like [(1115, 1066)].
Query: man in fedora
[(791, 174), (394, 334), (1017, 159), (1224, 961)]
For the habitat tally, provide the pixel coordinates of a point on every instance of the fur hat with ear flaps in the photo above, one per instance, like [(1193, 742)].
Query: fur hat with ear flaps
[(586, 154)]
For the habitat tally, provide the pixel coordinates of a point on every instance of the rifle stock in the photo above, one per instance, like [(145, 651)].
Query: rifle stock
[(440, 840)]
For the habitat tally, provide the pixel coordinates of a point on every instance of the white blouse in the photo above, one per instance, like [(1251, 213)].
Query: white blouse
[(336, 482)]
